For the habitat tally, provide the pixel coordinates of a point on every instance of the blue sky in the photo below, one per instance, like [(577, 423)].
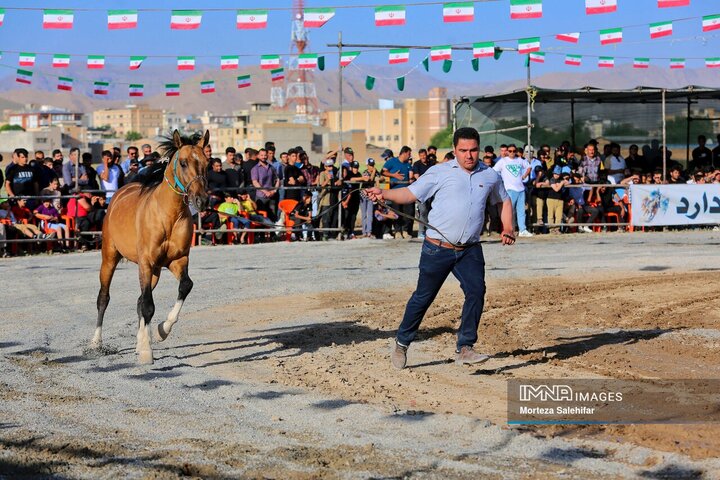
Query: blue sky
[(22, 31)]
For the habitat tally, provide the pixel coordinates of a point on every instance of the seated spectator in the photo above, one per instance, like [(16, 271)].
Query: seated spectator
[(384, 220), (249, 207), (217, 181), (577, 207), (676, 177), (607, 199), (50, 220), (53, 190), (28, 230), (92, 174), (229, 210), (301, 215), (89, 213)]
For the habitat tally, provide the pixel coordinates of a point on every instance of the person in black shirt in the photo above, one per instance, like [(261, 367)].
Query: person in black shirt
[(90, 171), (233, 168), (217, 181), (21, 179), (247, 166), (293, 178)]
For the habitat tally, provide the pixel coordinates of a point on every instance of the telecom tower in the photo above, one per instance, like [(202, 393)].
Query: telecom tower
[(301, 94)]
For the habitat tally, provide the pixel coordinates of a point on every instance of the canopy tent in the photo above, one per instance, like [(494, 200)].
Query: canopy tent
[(617, 105)]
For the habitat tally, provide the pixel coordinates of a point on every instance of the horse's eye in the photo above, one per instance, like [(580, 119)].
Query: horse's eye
[(183, 163)]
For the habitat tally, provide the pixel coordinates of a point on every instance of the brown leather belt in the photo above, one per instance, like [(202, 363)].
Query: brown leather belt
[(440, 243)]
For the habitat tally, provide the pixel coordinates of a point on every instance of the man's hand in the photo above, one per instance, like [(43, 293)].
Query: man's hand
[(374, 194), (507, 237)]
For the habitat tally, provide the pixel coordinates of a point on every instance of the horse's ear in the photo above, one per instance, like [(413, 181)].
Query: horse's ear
[(204, 140), (177, 140)]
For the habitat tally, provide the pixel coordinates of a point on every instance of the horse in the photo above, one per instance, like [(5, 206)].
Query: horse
[(149, 223)]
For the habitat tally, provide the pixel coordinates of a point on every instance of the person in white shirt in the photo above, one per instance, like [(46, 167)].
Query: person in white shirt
[(111, 176), (615, 164), (514, 171)]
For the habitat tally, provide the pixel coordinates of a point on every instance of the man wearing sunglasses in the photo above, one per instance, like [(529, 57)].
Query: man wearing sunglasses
[(514, 170)]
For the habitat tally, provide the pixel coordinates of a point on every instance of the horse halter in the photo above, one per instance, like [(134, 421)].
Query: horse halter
[(177, 186)]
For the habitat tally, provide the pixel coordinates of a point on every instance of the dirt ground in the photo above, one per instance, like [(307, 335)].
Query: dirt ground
[(296, 382)]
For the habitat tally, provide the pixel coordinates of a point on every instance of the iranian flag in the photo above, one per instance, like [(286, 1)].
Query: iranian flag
[(606, 62), (252, 19), (661, 29), (185, 19), (172, 89), (525, 9), (574, 60), (458, 12), (65, 84), (277, 74), (537, 57), (308, 60), (317, 17), (269, 62), (229, 62), (186, 63), (101, 88), (243, 81), (677, 63), (135, 62), (136, 90), (673, 3), (483, 49), (62, 19), (2, 16), (390, 15), (122, 19), (610, 36), (96, 61), (710, 23), (347, 57), (24, 76), (207, 86), (443, 52), (593, 7), (61, 61), (26, 59), (568, 37), (399, 55), (641, 63), (712, 62), (528, 45)]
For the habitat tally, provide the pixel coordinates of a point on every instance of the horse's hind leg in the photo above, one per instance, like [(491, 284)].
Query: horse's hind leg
[(146, 310), (179, 268), (110, 260)]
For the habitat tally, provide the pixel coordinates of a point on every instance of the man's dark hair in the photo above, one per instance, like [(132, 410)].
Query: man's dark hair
[(465, 133), (504, 145), (56, 151), (1, 157), (213, 161), (270, 148), (105, 153), (74, 149), (282, 153), (87, 156), (702, 138), (675, 168), (269, 144), (489, 149), (230, 150), (405, 149), (432, 147), (40, 152), (291, 151), (449, 156), (20, 151), (132, 148), (422, 150)]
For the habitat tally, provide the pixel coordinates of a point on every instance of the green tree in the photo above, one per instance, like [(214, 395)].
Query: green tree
[(443, 138), (624, 130), (133, 136), (677, 130), (8, 128)]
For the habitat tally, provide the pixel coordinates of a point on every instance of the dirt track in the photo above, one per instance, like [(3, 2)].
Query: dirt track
[(279, 369)]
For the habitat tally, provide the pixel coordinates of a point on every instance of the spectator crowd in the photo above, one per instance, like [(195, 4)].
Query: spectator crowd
[(260, 195)]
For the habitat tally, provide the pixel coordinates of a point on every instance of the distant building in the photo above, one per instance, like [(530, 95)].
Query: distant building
[(44, 117), (146, 121), (412, 123), (46, 139)]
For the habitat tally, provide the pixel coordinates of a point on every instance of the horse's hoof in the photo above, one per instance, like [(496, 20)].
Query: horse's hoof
[(95, 345), (145, 357), (160, 333)]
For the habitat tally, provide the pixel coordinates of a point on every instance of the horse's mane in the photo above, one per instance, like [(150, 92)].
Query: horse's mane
[(153, 176)]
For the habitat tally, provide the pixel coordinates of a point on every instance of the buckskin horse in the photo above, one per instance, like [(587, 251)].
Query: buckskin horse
[(149, 223)]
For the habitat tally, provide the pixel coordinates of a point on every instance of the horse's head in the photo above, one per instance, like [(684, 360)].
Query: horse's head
[(190, 168)]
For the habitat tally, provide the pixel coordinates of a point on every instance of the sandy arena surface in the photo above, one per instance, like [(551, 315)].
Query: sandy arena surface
[(279, 365)]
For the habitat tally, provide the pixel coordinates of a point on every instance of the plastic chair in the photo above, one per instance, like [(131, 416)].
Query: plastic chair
[(287, 206)]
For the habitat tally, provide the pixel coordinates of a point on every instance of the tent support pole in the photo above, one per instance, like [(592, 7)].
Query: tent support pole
[(664, 133)]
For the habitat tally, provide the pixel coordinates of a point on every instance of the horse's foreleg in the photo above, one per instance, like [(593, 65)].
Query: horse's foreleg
[(146, 310), (179, 268), (110, 259)]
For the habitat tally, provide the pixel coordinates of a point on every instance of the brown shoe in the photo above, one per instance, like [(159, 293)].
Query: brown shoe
[(468, 356), (398, 356)]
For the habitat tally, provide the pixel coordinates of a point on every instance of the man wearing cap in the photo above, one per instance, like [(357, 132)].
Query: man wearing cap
[(348, 158), (351, 199), (398, 170), (460, 188)]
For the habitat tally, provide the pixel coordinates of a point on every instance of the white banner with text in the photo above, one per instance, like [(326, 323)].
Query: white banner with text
[(660, 205)]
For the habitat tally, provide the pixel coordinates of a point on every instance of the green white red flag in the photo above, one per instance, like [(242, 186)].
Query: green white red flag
[(710, 23), (528, 45), (172, 89), (229, 62), (594, 7), (96, 61), (661, 29), (610, 36), (483, 49), (277, 75), (712, 62), (243, 81), (641, 63), (135, 62), (346, 58), (537, 57), (185, 19), (58, 19), (252, 19), (65, 84), (60, 60), (269, 62), (317, 17), (26, 59), (573, 60), (458, 12), (390, 15), (520, 9), (208, 86), (136, 90), (399, 55), (606, 62), (677, 63), (24, 76), (186, 63), (443, 52), (122, 19), (568, 37), (2, 16), (101, 88), (308, 60)]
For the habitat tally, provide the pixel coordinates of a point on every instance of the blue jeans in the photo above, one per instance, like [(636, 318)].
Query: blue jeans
[(367, 209), (518, 203), (436, 263)]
